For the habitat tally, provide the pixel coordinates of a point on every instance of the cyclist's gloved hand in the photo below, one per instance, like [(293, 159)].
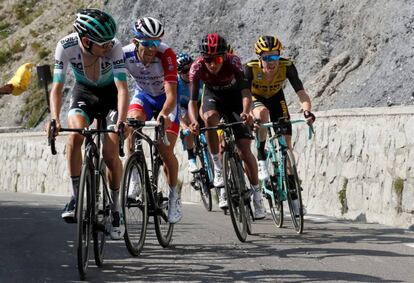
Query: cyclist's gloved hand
[(247, 118), (56, 130), (167, 121), (310, 118), (194, 128)]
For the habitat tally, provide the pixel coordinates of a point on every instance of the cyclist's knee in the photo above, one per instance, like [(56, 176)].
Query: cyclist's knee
[(75, 140), (211, 118), (137, 114)]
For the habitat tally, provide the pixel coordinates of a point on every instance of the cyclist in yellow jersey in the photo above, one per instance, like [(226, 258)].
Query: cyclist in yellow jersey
[(267, 76)]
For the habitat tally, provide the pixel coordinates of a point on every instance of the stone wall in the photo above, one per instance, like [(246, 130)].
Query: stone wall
[(359, 165)]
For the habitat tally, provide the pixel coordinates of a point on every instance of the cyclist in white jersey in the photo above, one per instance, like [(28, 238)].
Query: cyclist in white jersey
[(153, 66), (97, 62)]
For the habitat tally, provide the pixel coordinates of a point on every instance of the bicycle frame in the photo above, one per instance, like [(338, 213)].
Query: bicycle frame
[(277, 154)]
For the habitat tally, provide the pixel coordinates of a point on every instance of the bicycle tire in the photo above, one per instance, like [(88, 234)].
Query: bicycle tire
[(236, 205), (160, 190), (204, 184), (275, 204), (135, 211), (296, 219), (101, 215), (84, 220)]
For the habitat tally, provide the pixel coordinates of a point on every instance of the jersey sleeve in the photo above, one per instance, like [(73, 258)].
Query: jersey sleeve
[(169, 64), (118, 62), (238, 72), (195, 80), (293, 77), (61, 64), (249, 74)]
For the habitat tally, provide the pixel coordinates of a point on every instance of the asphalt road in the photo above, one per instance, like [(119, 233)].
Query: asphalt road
[(37, 246)]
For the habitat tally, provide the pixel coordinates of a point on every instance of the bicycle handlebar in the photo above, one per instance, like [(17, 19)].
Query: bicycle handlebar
[(281, 123), (158, 125), (51, 137), (83, 131), (222, 126)]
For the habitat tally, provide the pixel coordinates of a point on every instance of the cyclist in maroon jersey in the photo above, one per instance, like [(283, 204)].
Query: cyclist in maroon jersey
[(226, 91)]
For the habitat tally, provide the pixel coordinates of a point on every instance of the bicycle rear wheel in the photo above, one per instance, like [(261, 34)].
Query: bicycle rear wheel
[(84, 220), (163, 228), (294, 193), (135, 209), (204, 182), (101, 215), (236, 204)]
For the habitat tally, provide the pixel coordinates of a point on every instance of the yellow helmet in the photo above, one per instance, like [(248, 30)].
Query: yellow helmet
[(267, 43)]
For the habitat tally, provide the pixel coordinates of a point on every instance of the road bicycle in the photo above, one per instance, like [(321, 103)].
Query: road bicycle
[(284, 183), (238, 195), (150, 186), (93, 215), (202, 180)]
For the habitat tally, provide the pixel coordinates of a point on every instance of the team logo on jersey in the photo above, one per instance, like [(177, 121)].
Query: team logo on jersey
[(260, 76), (81, 103)]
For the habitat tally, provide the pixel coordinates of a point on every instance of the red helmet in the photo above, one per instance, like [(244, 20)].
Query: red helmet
[(213, 44)]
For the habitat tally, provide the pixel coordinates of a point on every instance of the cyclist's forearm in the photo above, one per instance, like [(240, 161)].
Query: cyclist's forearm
[(305, 100), (123, 100), (56, 101), (247, 100), (193, 111), (171, 99)]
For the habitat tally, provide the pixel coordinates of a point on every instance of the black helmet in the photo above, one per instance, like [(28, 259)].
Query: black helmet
[(213, 44)]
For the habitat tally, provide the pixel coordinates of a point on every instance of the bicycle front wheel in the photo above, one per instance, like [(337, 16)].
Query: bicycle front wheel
[(236, 203), (203, 181), (134, 204), (101, 215), (84, 220), (294, 194), (160, 188), (275, 203)]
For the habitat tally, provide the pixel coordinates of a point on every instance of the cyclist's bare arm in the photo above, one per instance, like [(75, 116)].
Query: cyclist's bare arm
[(123, 100), (247, 104), (6, 89), (170, 100), (305, 100), (56, 103)]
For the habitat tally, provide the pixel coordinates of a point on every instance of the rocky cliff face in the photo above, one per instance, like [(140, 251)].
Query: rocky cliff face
[(348, 53)]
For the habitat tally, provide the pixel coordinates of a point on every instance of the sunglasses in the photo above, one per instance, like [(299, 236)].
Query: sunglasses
[(270, 58), (106, 44), (215, 59), (149, 42)]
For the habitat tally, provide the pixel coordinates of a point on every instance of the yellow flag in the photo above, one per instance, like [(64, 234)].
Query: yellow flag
[(21, 78)]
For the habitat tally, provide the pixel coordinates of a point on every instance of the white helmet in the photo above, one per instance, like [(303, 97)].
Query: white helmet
[(147, 27)]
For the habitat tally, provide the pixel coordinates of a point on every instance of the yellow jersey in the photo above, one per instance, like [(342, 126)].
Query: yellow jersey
[(259, 86)]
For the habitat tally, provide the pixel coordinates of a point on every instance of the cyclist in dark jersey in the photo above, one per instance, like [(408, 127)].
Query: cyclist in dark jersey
[(226, 92)]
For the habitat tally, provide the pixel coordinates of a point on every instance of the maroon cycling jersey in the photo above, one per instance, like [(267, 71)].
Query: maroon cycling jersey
[(230, 76)]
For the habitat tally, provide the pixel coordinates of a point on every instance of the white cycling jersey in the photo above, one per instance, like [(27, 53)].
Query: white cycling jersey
[(152, 77), (68, 51)]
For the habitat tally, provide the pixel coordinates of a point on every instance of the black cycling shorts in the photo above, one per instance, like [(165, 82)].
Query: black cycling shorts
[(226, 103), (95, 102), (277, 107)]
